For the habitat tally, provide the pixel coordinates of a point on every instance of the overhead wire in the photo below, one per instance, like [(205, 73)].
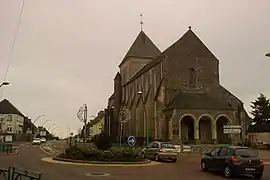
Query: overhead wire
[(13, 45)]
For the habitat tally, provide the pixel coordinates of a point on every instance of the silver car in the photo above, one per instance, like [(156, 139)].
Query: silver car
[(36, 141), (160, 151)]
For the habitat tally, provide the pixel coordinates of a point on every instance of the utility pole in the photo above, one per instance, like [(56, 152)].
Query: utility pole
[(85, 121)]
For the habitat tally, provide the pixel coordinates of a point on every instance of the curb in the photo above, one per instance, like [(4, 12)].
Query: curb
[(16, 152), (99, 162), (42, 149)]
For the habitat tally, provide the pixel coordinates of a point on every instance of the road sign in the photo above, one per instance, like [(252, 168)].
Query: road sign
[(186, 149), (131, 141), (232, 131), (232, 126)]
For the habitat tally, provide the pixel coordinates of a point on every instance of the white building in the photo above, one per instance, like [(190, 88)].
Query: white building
[(11, 119)]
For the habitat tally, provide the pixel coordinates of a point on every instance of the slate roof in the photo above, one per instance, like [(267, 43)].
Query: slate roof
[(259, 128), (7, 108), (192, 100), (111, 97), (117, 75), (142, 47), (188, 45)]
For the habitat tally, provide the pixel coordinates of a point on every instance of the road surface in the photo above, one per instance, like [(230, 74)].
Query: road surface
[(30, 157)]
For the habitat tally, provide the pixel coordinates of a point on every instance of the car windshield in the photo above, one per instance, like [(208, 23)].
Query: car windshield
[(36, 139), (246, 152), (167, 145)]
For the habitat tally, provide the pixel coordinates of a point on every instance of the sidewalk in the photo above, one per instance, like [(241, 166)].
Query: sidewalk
[(264, 154)]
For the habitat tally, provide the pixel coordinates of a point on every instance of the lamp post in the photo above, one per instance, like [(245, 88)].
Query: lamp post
[(4, 84), (45, 122), (35, 121), (140, 93), (54, 130), (38, 118), (51, 126)]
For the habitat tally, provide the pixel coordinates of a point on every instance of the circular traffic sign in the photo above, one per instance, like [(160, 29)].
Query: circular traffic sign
[(131, 140)]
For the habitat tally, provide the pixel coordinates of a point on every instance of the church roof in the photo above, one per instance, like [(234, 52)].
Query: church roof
[(188, 45), (7, 108), (192, 100), (142, 47), (117, 75)]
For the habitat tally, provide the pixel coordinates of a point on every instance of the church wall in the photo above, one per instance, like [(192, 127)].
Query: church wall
[(136, 64), (124, 71), (197, 114), (190, 71), (148, 83)]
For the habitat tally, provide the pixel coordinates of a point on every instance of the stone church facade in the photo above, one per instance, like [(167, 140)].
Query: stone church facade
[(181, 98)]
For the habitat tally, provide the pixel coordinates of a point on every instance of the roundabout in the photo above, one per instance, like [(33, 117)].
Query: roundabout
[(98, 163)]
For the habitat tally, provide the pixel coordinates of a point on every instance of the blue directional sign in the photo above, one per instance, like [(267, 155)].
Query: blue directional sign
[(131, 140)]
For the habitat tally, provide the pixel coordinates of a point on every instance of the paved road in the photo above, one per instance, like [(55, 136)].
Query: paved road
[(30, 158)]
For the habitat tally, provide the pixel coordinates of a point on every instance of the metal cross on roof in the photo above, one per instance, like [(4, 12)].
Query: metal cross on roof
[(141, 22)]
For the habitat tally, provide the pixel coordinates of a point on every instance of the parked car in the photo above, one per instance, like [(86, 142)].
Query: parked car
[(232, 161), (43, 140), (160, 151), (178, 148), (36, 141)]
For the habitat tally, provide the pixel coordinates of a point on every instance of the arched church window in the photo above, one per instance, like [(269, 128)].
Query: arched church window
[(192, 75)]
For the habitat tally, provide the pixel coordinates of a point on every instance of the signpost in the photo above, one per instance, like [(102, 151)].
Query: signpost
[(232, 129), (125, 116), (131, 140)]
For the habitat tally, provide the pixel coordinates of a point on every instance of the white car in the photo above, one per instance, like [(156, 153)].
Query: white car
[(36, 141), (43, 140), (178, 147)]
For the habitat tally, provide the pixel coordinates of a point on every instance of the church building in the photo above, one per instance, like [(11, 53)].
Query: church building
[(173, 95)]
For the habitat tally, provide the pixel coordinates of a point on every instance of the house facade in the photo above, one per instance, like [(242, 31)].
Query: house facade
[(11, 119), (175, 93)]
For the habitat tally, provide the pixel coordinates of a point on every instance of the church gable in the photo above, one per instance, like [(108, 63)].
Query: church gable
[(188, 63), (142, 47), (141, 53)]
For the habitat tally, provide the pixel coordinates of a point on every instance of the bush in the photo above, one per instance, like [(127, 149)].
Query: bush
[(103, 142), (110, 155)]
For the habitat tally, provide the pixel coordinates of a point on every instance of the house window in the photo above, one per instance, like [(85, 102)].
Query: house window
[(192, 75), (9, 118)]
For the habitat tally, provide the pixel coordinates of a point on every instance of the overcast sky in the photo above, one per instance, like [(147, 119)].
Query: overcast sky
[(68, 51)]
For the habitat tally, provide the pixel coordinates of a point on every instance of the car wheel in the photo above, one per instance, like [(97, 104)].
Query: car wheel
[(258, 176), (227, 172), (174, 160), (143, 155), (156, 157), (203, 167)]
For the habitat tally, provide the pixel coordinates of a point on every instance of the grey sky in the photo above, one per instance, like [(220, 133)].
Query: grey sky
[(68, 51)]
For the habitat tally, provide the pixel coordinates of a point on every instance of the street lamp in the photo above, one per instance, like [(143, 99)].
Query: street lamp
[(140, 93), (55, 128), (4, 84), (45, 122), (267, 54), (38, 118), (51, 126)]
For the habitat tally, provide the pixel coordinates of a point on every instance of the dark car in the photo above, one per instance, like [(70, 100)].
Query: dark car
[(233, 160)]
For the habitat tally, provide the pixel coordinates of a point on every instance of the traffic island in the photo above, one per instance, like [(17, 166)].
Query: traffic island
[(98, 163), (113, 156), (142, 161)]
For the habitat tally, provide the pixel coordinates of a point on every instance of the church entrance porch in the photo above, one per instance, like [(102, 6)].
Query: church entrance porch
[(205, 129), (187, 129), (222, 138)]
